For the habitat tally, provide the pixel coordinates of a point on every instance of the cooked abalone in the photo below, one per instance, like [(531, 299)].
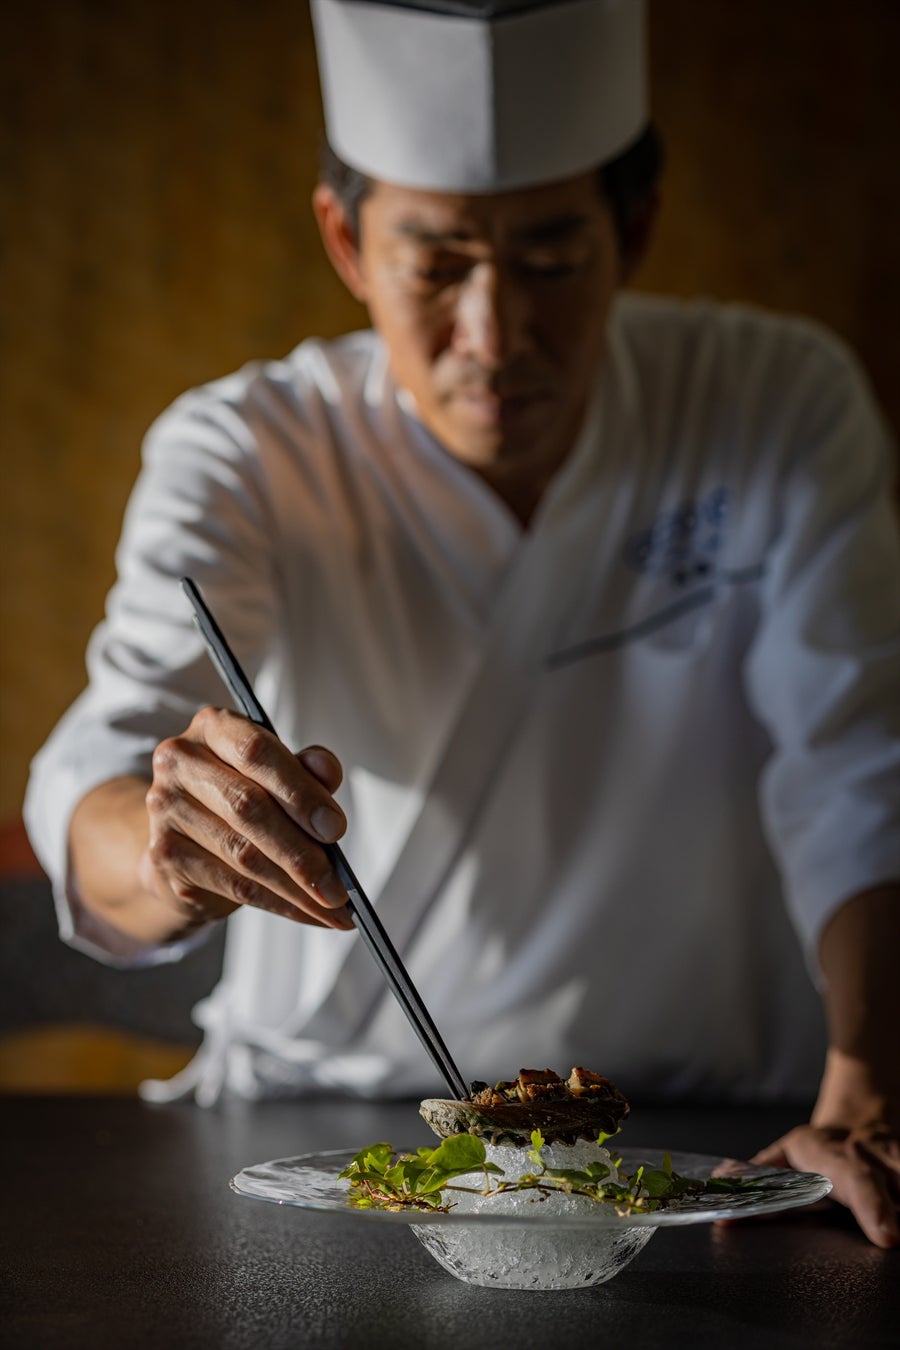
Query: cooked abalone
[(582, 1106)]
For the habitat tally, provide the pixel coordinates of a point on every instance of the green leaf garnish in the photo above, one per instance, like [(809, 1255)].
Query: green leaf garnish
[(459, 1153), (413, 1180), (725, 1185), (657, 1183), (537, 1143), (379, 1179)]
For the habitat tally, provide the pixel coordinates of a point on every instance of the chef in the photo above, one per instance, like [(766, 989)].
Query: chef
[(578, 615)]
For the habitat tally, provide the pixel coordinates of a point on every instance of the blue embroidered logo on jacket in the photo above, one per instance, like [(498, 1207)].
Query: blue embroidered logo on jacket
[(681, 544)]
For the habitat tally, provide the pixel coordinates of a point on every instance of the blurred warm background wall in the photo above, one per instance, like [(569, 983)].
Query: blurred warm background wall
[(157, 165), (157, 162)]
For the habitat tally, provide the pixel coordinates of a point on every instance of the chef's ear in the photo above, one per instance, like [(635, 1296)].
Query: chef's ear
[(636, 235), (340, 239)]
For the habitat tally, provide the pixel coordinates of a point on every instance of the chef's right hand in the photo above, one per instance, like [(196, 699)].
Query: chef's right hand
[(236, 819)]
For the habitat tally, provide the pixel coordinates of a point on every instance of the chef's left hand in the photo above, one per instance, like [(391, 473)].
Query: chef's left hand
[(854, 1140)]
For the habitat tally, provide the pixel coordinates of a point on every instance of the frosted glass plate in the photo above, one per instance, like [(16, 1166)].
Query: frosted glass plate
[(533, 1247)]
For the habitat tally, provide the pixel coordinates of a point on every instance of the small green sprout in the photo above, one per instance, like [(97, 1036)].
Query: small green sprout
[(426, 1179)]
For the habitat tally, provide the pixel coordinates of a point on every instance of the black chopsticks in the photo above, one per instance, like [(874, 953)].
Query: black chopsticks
[(370, 927)]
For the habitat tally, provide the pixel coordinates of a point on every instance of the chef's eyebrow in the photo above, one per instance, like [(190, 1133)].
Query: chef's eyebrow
[(557, 229), (421, 234)]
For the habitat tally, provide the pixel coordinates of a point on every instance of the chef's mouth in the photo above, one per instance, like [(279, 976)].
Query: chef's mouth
[(498, 403)]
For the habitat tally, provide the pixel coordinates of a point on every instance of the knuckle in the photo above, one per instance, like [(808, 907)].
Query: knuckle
[(157, 799), (194, 906), (163, 849), (245, 890), (205, 719), (244, 854), (166, 756), (295, 799), (187, 891), (248, 802), (305, 861), (253, 747)]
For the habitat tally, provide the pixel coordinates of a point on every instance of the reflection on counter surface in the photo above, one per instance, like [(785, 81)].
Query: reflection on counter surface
[(120, 1228)]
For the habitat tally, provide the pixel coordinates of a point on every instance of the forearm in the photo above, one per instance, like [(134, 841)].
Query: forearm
[(859, 958), (108, 839), (854, 1135)]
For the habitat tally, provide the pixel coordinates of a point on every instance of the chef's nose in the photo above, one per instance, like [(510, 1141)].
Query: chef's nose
[(491, 323)]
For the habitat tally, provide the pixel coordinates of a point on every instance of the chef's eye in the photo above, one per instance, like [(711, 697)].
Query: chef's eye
[(448, 274), (435, 270), (550, 265)]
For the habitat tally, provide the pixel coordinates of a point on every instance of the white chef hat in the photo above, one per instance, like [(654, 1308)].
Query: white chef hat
[(480, 95)]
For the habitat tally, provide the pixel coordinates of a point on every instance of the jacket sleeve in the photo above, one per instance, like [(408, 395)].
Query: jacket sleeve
[(198, 509), (823, 673)]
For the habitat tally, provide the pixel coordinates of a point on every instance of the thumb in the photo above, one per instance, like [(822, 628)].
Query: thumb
[(322, 764)]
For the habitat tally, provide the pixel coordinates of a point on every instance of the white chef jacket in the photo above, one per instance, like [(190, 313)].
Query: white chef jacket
[(607, 777)]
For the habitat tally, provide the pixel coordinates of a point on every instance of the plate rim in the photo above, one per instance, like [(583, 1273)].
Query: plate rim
[(676, 1217)]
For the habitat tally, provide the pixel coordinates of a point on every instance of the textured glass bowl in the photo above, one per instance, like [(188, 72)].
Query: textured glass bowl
[(536, 1255), (531, 1246)]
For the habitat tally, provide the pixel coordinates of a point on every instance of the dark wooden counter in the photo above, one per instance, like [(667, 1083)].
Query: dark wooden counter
[(119, 1230)]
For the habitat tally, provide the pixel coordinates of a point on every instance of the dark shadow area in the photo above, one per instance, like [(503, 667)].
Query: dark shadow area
[(42, 980)]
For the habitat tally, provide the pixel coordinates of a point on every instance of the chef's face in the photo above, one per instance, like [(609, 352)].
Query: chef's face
[(493, 308)]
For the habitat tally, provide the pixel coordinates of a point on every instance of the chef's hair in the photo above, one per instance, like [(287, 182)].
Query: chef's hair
[(628, 182)]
